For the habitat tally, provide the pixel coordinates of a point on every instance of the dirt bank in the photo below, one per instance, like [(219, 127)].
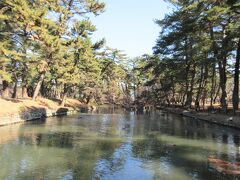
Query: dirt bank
[(212, 117), (21, 110)]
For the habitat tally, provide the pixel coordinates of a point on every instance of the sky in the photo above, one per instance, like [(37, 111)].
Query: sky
[(128, 25)]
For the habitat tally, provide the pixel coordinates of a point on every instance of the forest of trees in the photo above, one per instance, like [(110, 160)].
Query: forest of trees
[(46, 49), (196, 56)]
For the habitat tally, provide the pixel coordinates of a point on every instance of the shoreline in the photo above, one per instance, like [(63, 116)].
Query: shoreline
[(22, 110), (217, 118), (35, 114)]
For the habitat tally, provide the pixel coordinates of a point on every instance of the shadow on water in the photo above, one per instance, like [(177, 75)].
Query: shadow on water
[(190, 159), (59, 140), (54, 156)]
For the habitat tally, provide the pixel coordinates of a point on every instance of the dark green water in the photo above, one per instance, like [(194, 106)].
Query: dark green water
[(117, 145)]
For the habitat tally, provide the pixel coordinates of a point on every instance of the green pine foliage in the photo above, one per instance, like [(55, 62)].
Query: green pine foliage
[(195, 53), (46, 49)]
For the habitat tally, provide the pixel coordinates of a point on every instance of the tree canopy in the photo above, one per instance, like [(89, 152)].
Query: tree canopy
[(46, 49)]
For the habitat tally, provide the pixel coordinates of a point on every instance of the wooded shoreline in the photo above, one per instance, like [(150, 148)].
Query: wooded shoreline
[(195, 61), (48, 108), (208, 116)]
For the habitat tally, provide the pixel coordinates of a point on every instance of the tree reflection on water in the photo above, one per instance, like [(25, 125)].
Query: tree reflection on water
[(116, 146)]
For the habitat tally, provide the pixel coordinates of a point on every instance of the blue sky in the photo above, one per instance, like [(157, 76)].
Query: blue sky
[(129, 25)]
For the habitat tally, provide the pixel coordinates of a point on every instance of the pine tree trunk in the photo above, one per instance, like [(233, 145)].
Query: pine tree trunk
[(213, 84), (205, 82), (188, 102), (235, 97), (24, 81), (199, 91), (63, 100), (182, 99), (5, 90), (216, 95), (188, 64), (14, 95), (222, 69), (222, 84), (134, 92), (173, 93), (57, 93), (186, 84), (65, 89), (222, 73), (24, 92), (39, 84), (43, 90)]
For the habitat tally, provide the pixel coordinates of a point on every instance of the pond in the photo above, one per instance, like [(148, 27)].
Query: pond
[(116, 145)]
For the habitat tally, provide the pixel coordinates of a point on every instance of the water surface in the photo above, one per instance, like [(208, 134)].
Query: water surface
[(116, 145)]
